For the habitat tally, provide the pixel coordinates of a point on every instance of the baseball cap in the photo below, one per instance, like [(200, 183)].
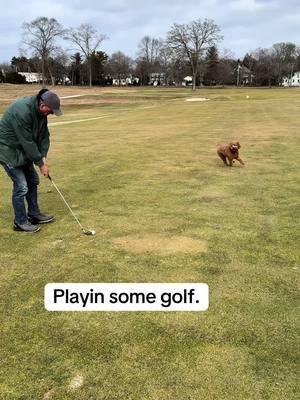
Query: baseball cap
[(52, 100)]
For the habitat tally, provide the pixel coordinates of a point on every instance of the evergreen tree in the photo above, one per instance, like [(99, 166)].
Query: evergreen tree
[(98, 61), (14, 77), (21, 64), (76, 69), (211, 75), (249, 62)]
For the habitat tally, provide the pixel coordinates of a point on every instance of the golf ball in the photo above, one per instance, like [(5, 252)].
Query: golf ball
[(247, 97), (93, 232)]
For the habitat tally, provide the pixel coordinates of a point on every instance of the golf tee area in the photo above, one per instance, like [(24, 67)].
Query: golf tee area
[(139, 167)]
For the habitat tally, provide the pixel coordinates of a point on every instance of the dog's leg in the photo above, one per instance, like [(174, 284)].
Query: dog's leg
[(230, 162), (240, 160), (223, 158)]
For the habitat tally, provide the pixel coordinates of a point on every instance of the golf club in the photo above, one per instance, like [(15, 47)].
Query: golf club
[(85, 231)]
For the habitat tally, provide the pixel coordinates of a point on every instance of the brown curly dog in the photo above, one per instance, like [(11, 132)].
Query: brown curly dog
[(229, 151)]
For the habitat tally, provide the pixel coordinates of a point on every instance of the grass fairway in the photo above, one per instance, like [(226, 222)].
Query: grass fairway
[(140, 167)]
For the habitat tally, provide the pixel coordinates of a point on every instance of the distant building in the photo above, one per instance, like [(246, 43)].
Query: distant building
[(157, 78), (65, 80), (247, 76), (187, 81), (294, 80), (31, 77), (121, 82), (128, 81), (244, 76)]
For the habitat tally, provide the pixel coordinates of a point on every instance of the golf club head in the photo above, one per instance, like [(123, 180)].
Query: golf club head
[(89, 233), (85, 231)]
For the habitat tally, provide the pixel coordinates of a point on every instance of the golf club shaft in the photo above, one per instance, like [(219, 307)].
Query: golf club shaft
[(65, 201)]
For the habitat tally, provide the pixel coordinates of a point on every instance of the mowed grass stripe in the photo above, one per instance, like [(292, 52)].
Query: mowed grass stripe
[(77, 121)]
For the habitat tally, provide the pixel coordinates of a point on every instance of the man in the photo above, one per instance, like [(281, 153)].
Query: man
[(24, 141)]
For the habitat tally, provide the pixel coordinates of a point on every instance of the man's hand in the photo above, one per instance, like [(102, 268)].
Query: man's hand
[(44, 170)]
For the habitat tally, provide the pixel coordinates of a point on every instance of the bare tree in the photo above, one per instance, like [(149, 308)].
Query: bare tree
[(119, 65), (173, 67), (166, 61), (147, 57), (87, 40), (284, 55), (265, 67), (227, 67), (59, 66), (40, 35), (149, 49), (192, 40), (297, 59)]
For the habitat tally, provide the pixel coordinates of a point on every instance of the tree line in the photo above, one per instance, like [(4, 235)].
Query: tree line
[(187, 50)]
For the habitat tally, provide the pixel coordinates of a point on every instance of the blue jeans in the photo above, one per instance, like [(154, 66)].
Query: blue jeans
[(25, 182)]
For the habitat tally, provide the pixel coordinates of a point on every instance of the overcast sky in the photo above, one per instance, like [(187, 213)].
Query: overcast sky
[(245, 24)]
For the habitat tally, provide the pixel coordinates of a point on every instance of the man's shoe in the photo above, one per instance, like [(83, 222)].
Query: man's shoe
[(27, 227), (40, 218)]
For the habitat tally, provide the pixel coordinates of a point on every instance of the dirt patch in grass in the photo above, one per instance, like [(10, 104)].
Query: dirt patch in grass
[(49, 395), (76, 382), (161, 244), (57, 242)]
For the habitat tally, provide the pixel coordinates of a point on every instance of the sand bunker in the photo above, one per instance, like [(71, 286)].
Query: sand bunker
[(161, 244), (197, 99)]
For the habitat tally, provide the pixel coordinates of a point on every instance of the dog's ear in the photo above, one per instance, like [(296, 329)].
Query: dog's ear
[(238, 145)]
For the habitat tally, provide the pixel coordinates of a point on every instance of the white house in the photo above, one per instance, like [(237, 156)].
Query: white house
[(156, 78), (291, 81), (121, 82), (128, 81), (187, 81), (31, 77)]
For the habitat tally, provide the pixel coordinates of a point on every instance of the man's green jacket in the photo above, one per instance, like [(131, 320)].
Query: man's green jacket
[(24, 134)]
